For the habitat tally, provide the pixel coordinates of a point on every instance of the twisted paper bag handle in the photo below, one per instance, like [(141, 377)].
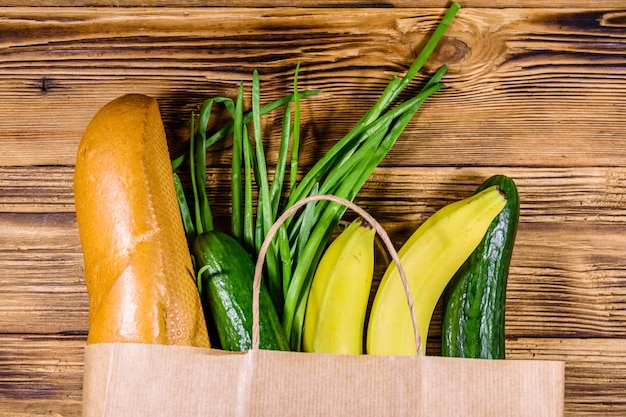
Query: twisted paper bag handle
[(258, 271)]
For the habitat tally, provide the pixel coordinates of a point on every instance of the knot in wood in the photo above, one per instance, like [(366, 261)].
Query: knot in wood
[(449, 51)]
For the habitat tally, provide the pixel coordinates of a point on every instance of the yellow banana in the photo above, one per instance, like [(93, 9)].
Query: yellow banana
[(430, 257), (335, 312)]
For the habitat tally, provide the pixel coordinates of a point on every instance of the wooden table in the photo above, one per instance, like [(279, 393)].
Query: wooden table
[(536, 92)]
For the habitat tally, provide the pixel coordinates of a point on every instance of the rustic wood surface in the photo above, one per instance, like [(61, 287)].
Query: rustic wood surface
[(536, 91)]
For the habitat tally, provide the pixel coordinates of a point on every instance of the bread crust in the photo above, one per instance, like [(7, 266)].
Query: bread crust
[(138, 269)]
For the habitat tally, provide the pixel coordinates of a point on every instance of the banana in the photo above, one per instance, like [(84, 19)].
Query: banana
[(335, 312), (430, 257)]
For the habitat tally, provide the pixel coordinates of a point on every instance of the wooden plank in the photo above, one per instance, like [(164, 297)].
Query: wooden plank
[(550, 80), (41, 375), (336, 4), (41, 274), (595, 371), (36, 189)]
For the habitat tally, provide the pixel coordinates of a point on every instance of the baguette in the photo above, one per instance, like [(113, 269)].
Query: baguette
[(138, 269)]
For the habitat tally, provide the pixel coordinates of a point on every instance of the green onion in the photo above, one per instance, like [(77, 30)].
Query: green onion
[(194, 180), (279, 173), (235, 181), (190, 230), (342, 171), (248, 220), (296, 131), (264, 210)]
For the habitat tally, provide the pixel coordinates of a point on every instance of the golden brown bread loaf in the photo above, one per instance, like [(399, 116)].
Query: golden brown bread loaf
[(138, 268)]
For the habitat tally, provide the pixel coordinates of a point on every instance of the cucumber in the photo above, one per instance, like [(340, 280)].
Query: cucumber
[(474, 300), (226, 291)]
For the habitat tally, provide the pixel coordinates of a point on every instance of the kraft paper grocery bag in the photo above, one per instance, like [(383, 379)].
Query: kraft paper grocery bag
[(135, 380)]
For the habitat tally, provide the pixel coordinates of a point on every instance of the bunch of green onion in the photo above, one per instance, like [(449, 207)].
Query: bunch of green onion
[(293, 256)]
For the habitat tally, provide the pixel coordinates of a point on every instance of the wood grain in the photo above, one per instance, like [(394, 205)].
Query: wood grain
[(41, 375), (534, 92), (518, 79), (336, 4)]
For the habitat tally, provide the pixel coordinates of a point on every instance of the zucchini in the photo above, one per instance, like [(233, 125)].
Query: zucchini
[(474, 300), (225, 279)]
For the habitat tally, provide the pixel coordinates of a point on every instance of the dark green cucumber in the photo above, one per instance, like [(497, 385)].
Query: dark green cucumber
[(474, 300), (226, 290)]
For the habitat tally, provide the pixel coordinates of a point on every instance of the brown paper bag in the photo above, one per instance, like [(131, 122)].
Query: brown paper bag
[(124, 380), (134, 380)]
